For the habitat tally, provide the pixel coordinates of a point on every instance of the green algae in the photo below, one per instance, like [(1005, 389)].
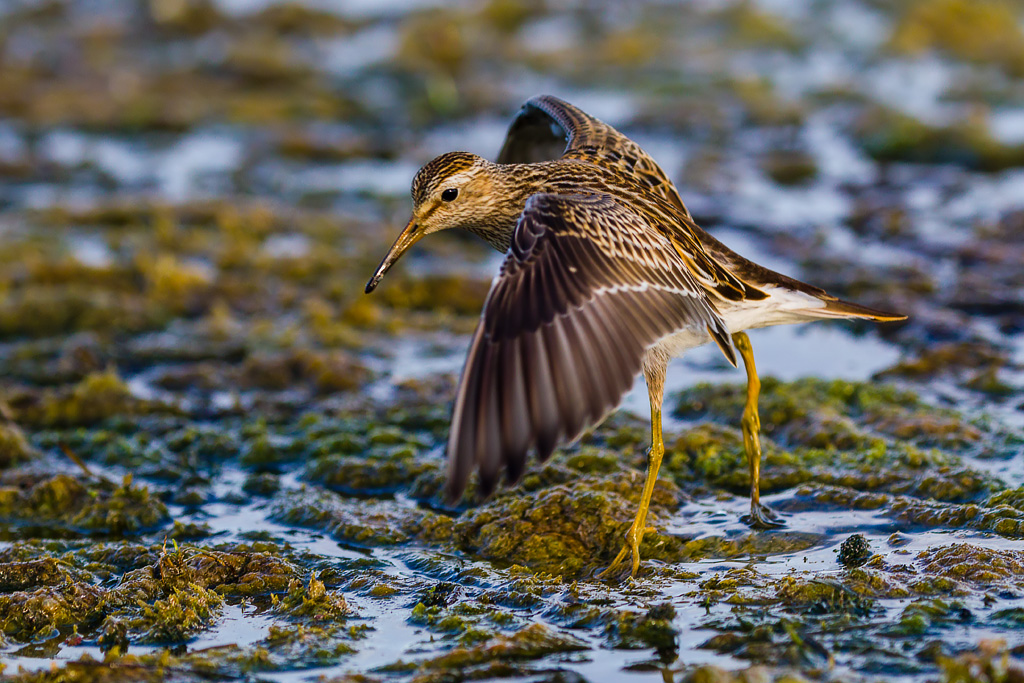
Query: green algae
[(650, 630), (370, 474), (989, 663), (790, 167), (361, 524), (973, 564), (314, 602), (532, 642), (179, 616), (983, 31), (15, 576), (753, 28), (468, 624), (164, 597), (97, 397), (14, 448), (820, 413), (455, 295), (263, 361), (890, 136), (65, 503), (563, 530), (924, 616)]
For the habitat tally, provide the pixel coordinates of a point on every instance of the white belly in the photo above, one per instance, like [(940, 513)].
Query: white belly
[(782, 307)]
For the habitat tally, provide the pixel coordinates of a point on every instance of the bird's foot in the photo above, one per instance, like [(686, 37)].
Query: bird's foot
[(762, 517), (631, 547)]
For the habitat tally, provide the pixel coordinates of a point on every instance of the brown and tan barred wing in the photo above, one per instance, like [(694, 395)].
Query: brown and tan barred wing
[(585, 289), (548, 128)]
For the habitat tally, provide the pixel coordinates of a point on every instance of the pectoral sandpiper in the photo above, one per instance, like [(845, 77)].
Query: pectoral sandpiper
[(606, 274)]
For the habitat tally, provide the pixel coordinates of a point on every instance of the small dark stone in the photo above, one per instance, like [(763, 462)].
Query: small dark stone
[(854, 551)]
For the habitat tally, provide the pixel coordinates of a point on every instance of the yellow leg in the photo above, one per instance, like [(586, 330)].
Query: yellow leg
[(655, 376), (639, 527), (760, 517)]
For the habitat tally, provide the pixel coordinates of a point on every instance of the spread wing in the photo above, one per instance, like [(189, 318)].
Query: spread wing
[(585, 289), (548, 128)]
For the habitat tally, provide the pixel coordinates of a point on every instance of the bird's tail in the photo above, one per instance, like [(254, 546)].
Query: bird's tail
[(838, 309)]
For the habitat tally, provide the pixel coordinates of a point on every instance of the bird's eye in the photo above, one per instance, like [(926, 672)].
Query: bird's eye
[(449, 194)]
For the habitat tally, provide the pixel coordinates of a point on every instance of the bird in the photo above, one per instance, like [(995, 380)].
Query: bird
[(606, 275)]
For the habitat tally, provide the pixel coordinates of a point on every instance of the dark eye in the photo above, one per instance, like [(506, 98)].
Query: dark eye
[(449, 194)]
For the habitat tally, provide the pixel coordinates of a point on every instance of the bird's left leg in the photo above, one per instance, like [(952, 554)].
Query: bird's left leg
[(760, 517), (654, 374)]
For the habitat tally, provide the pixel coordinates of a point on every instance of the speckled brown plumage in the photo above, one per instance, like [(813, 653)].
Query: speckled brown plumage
[(603, 287), (606, 275)]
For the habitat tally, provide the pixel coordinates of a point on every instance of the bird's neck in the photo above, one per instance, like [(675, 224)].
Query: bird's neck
[(513, 184)]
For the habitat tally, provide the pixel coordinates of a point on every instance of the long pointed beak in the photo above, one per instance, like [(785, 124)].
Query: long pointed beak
[(409, 237)]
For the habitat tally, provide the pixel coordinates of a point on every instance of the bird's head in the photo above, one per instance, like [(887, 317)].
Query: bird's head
[(455, 190)]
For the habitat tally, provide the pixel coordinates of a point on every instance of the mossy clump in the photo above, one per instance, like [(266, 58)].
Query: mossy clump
[(46, 612), (44, 311), (16, 576), (323, 371), (314, 602), (262, 484), (435, 41), (240, 571), (468, 623), (372, 475), (563, 529), (438, 294), (790, 167), (97, 397), (834, 414), (162, 596), (753, 28), (821, 596), (973, 564), (266, 451), (923, 616), (179, 616), (358, 523), (300, 646), (128, 509), (63, 502), (639, 630), (763, 106), (14, 447), (533, 642), (938, 359), (989, 663), (1002, 519), (711, 455), (986, 31), (1012, 497), (891, 136)]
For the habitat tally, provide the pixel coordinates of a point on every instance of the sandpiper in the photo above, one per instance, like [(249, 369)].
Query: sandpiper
[(606, 274)]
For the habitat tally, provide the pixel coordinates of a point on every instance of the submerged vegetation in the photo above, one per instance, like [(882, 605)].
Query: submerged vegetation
[(219, 459)]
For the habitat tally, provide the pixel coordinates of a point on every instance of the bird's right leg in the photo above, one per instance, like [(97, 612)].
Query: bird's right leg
[(760, 517), (654, 374)]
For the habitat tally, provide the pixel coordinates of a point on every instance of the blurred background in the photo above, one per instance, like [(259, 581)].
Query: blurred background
[(249, 161), (193, 194)]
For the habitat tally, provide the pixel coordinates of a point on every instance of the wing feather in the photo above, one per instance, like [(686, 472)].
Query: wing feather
[(586, 289), (548, 128)]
